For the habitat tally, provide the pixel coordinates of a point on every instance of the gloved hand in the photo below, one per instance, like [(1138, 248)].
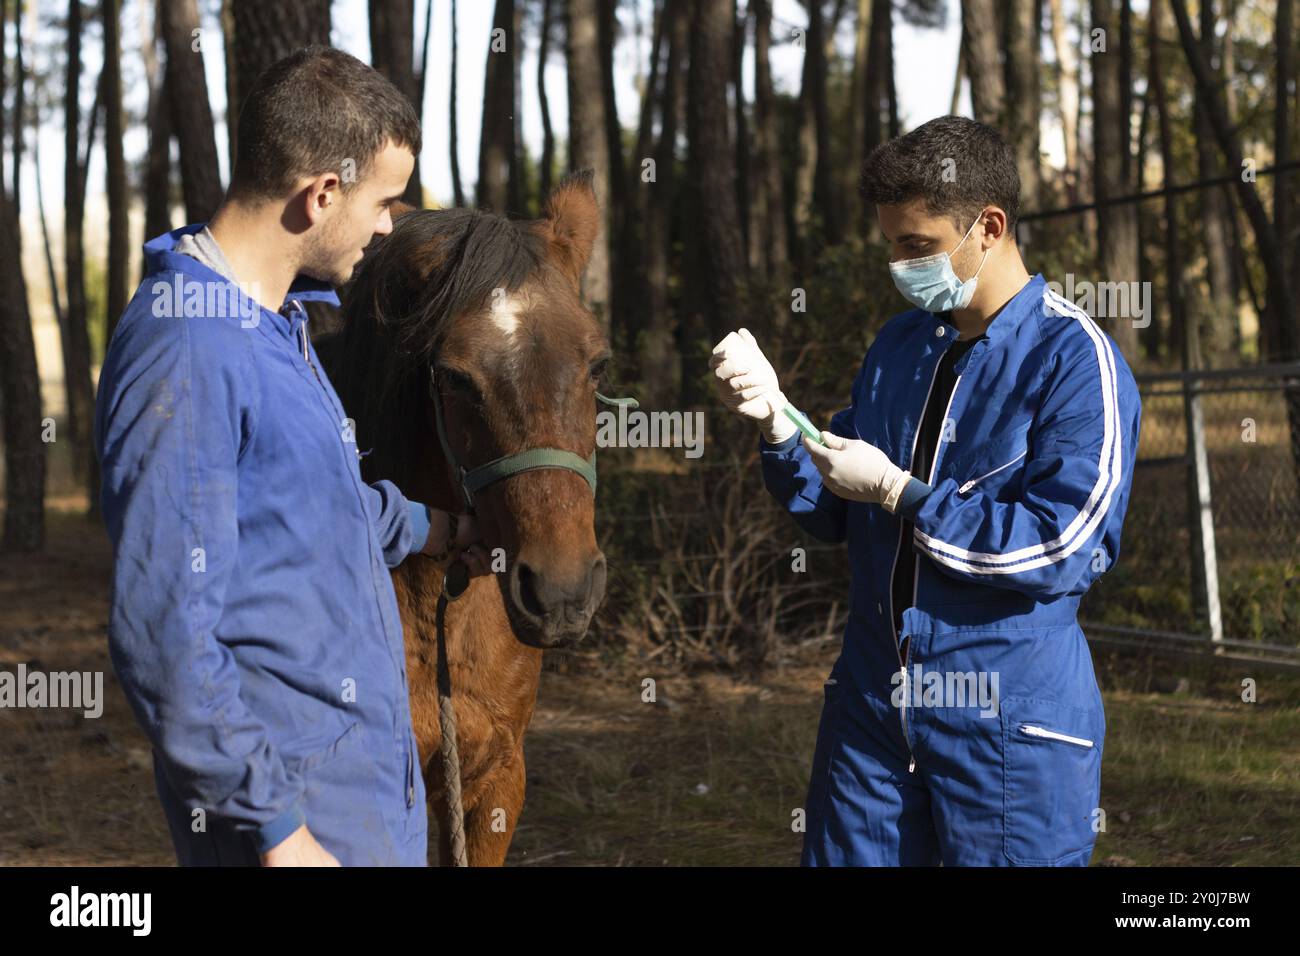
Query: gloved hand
[(746, 383), (857, 470)]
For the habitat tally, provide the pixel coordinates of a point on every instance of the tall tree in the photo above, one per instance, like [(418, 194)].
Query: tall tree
[(76, 333), (20, 401), (657, 351), (979, 36), (622, 248), (712, 167), (882, 106), (745, 192), (1117, 222), (858, 112), (21, 422), (191, 112), (458, 193), (770, 223), (1217, 311), (588, 142), (498, 179), (812, 181), (1283, 103), (115, 165), (19, 116), (639, 186), (1022, 105), (392, 52), (1067, 83), (157, 174), (547, 171), (266, 32), (1280, 309)]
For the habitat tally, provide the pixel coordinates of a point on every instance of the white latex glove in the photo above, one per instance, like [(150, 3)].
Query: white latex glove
[(857, 470), (747, 385)]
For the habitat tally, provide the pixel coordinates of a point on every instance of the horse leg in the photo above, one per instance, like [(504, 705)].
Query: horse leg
[(490, 823)]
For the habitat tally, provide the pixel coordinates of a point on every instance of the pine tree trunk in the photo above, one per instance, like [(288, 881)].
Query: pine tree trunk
[(1116, 224), (588, 143), (497, 133), (191, 112), (392, 53), (20, 398), (115, 163), (76, 334)]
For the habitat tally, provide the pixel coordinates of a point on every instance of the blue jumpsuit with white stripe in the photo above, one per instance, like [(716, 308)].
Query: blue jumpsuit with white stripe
[(984, 746)]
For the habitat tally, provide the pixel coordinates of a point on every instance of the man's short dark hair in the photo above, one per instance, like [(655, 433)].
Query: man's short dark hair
[(956, 165), (311, 113)]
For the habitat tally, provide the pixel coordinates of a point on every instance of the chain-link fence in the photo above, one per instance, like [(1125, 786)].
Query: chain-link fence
[(704, 565), (1211, 546)]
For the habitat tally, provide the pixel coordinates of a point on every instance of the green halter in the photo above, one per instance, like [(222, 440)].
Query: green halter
[(476, 479)]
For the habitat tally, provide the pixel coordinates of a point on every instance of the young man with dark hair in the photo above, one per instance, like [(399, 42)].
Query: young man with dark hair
[(980, 476), (254, 627)]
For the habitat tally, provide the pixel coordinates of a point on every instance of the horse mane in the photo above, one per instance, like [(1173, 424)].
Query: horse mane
[(435, 265)]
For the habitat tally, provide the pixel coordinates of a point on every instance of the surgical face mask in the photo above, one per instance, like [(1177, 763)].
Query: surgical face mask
[(929, 282)]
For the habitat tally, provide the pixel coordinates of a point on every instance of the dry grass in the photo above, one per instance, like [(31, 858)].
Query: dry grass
[(706, 775)]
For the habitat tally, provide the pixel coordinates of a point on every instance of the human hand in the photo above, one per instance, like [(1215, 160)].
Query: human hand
[(747, 385), (464, 543), (857, 470), (299, 848)]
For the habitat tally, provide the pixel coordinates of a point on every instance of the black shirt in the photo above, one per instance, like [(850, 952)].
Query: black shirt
[(945, 380)]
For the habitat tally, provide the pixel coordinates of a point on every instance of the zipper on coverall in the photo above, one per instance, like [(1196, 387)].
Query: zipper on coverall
[(911, 767)]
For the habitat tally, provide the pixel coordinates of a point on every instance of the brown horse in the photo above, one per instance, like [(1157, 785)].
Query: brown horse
[(488, 309)]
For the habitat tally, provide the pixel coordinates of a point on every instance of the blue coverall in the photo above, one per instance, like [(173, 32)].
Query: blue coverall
[(254, 627), (1030, 484)]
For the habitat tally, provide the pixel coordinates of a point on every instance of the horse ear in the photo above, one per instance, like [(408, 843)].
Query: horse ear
[(571, 223), (399, 208)]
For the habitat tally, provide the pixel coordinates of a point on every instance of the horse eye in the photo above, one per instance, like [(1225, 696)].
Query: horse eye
[(598, 369), (458, 381)]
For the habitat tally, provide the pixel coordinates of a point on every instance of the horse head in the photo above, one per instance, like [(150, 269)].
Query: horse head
[(467, 352)]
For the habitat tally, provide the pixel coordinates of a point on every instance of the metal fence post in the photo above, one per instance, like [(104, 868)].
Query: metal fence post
[(1202, 520)]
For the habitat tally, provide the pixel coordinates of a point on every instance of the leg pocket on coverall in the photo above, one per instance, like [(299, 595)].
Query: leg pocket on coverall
[(819, 779), (1051, 779)]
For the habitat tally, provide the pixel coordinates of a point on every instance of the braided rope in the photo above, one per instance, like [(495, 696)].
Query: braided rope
[(454, 584)]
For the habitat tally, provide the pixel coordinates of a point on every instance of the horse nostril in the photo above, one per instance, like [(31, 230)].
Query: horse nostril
[(596, 580), (527, 587)]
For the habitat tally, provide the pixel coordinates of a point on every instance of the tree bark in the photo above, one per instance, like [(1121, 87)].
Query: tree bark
[(1218, 312), (267, 32), (547, 170), (392, 53), (76, 334), (1067, 77), (157, 176), (712, 167), (656, 350), (496, 158), (773, 237), (1116, 224), (115, 166), (622, 248), (1023, 104), (858, 107), (457, 191), (588, 142), (191, 112), (1281, 308), (979, 34), (20, 398), (19, 119)]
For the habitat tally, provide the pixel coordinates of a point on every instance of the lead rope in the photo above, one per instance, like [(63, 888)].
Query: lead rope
[(454, 583)]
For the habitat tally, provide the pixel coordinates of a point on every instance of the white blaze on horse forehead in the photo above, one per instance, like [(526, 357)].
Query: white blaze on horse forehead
[(506, 309)]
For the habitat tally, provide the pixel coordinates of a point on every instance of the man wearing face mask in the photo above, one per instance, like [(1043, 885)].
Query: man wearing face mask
[(980, 477)]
